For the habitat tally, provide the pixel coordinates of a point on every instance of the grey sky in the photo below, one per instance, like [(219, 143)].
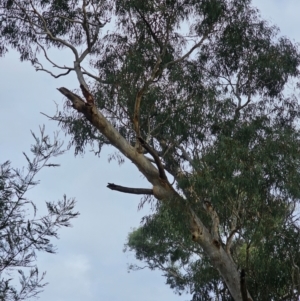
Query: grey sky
[(89, 264)]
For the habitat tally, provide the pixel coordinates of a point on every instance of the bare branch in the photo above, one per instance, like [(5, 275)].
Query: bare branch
[(90, 44), (85, 25), (79, 74), (129, 189), (55, 76), (77, 101), (94, 76), (50, 61)]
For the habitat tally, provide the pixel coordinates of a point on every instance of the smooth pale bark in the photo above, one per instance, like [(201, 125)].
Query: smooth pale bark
[(162, 190)]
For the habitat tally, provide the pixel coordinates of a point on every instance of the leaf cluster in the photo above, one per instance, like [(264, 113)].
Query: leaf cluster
[(22, 232)]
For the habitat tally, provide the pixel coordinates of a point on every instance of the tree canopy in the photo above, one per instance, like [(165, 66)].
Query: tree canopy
[(195, 94)]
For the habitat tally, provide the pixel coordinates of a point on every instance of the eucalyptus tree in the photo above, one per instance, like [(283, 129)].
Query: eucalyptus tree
[(193, 94), (22, 233)]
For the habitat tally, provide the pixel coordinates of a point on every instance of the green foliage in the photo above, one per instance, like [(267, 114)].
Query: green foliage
[(82, 131), (215, 105), (21, 234), (164, 243)]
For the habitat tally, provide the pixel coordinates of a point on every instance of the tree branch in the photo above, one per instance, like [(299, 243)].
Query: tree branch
[(50, 61), (215, 221), (98, 120), (87, 95), (155, 156), (136, 116), (97, 78), (50, 35), (129, 189), (77, 101), (230, 240), (150, 29), (162, 190), (85, 26), (53, 75), (90, 44), (187, 54)]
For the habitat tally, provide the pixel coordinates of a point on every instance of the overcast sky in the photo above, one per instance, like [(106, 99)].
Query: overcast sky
[(90, 264)]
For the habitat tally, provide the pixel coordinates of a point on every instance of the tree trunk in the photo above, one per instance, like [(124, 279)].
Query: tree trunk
[(162, 190)]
